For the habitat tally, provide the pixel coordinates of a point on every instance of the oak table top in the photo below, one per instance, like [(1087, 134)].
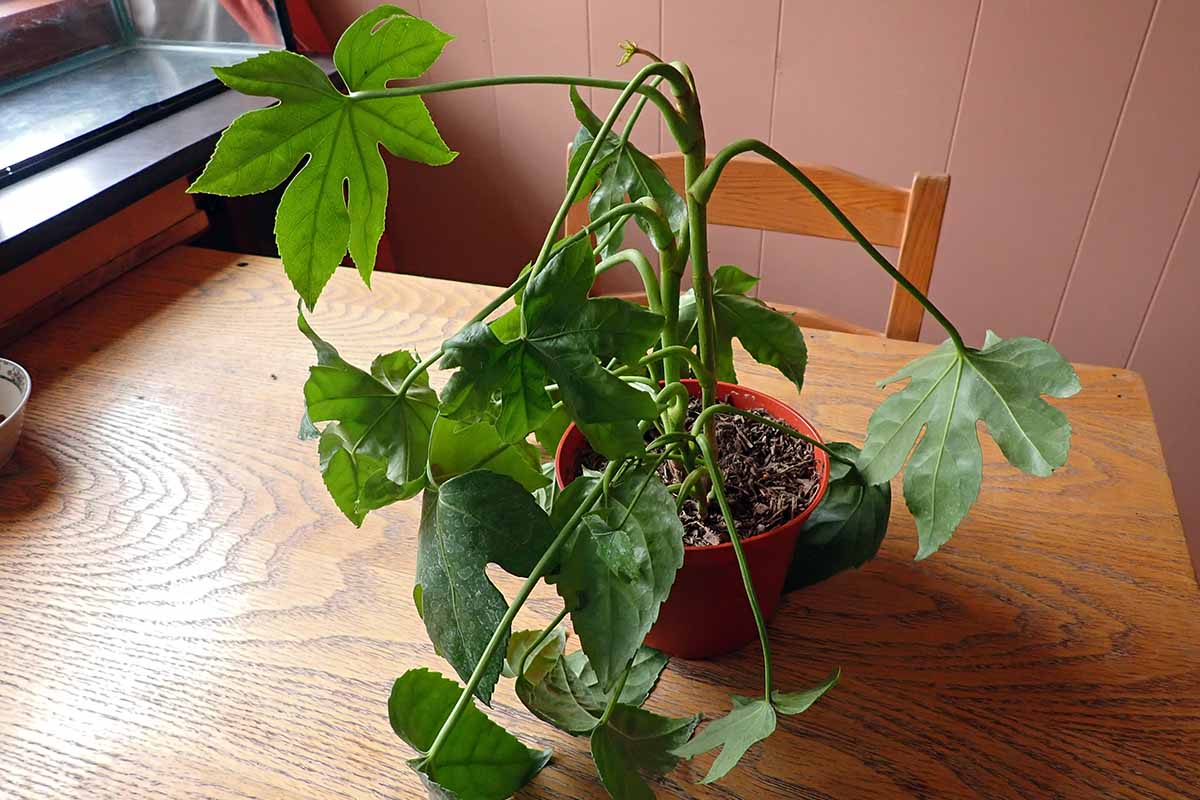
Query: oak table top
[(184, 613)]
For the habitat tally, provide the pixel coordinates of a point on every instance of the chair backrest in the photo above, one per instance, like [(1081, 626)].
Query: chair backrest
[(754, 193)]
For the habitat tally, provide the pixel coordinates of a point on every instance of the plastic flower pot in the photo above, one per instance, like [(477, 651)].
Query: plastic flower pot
[(707, 613)]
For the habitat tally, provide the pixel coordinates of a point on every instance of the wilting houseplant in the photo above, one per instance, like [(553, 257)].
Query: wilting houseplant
[(611, 540)]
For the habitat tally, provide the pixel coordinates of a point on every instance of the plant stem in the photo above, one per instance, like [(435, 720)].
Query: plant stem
[(502, 630), (616, 695), (657, 97), (686, 487), (682, 352), (703, 185), (718, 488), (645, 270), (725, 408), (693, 163)]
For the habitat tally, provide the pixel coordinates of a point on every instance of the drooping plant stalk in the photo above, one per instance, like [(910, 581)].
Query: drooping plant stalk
[(704, 184)]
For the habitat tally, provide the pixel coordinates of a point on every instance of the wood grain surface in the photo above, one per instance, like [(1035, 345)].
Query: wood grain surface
[(184, 614)]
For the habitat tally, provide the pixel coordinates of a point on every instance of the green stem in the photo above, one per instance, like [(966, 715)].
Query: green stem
[(506, 621), (657, 97), (541, 638), (688, 485), (703, 185), (676, 392), (682, 352), (645, 270), (616, 695), (718, 488), (693, 163), (724, 408)]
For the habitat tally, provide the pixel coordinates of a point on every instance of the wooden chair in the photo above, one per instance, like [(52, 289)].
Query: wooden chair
[(754, 193)]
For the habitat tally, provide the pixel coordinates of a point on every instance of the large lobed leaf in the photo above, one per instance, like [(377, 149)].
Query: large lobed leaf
[(948, 393), (770, 337), (565, 335), (615, 591), (479, 760), (846, 529), (338, 199), (373, 452), (473, 520), (751, 720)]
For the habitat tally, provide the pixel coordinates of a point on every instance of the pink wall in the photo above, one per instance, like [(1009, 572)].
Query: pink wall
[(1071, 130)]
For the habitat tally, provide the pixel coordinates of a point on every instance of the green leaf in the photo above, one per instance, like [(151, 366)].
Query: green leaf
[(792, 703), (538, 663), (948, 393), (751, 720), (548, 494), (338, 199), (568, 695), (386, 43), (565, 335), (620, 172), (307, 431), (456, 449), (846, 529), (474, 520), (612, 610), (636, 743), (478, 760), (374, 452), (770, 337)]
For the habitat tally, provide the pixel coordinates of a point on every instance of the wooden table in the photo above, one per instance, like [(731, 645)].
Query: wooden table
[(184, 614)]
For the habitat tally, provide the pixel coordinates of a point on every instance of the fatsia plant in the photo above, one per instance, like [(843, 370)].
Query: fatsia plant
[(611, 542)]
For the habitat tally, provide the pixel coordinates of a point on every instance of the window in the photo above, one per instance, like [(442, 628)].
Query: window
[(74, 73)]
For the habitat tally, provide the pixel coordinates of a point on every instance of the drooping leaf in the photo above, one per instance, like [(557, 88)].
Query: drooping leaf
[(565, 334), (307, 431), (548, 494), (612, 609), (456, 449), (538, 662), (792, 703), (569, 695), (948, 393), (636, 743), (473, 520), (374, 451), (338, 199), (751, 720), (770, 337), (479, 760), (620, 172), (846, 529)]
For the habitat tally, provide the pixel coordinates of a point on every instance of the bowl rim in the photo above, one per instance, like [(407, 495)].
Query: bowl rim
[(24, 395)]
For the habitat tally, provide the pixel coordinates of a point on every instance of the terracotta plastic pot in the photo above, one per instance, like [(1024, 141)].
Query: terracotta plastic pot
[(707, 613)]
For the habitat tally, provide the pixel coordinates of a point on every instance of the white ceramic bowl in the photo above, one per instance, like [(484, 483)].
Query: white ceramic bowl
[(14, 394)]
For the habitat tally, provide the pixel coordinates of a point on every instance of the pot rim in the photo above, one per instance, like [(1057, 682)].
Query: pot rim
[(799, 421)]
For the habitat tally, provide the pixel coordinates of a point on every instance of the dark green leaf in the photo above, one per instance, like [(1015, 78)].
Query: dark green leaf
[(565, 335), (569, 695), (479, 760), (751, 720), (622, 172), (770, 337), (456, 448), (374, 452), (948, 393), (612, 611), (846, 529), (474, 520), (338, 199), (792, 703), (636, 743)]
